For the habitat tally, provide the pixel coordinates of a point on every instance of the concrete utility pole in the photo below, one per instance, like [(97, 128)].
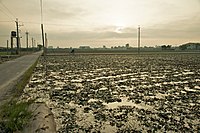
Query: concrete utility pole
[(27, 40), (46, 41), (18, 41), (32, 41), (11, 42), (43, 41), (7, 46), (138, 39)]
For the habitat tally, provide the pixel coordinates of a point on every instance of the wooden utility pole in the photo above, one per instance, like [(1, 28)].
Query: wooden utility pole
[(27, 40), (138, 39)]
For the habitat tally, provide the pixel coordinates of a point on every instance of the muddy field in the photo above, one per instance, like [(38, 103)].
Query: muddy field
[(120, 93)]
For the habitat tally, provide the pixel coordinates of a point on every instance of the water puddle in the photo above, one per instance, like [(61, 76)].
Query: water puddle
[(125, 102)]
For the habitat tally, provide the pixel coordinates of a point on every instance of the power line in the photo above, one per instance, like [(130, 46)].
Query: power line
[(58, 24), (5, 21), (4, 35), (28, 22), (6, 15), (41, 5), (7, 10)]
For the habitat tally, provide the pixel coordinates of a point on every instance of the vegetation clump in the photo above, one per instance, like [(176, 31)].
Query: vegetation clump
[(14, 116)]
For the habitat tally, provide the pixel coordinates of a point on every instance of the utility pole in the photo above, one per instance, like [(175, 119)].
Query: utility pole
[(138, 39), (7, 46), (32, 41), (11, 41), (42, 26), (27, 40), (46, 41), (43, 41), (17, 26)]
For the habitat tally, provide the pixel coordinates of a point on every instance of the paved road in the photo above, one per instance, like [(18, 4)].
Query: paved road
[(11, 71)]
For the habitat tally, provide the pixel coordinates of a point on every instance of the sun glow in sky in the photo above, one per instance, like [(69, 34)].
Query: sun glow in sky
[(107, 22)]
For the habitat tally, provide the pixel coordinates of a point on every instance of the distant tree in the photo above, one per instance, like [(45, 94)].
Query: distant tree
[(183, 47), (72, 51), (169, 46), (190, 46), (163, 47), (127, 45), (166, 47)]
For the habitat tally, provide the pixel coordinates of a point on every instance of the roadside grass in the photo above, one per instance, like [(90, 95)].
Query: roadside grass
[(7, 56), (5, 53), (14, 115), (24, 80)]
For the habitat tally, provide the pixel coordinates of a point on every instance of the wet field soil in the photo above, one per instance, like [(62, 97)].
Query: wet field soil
[(120, 93)]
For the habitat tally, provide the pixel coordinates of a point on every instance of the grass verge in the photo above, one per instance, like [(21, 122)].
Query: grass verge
[(24, 80), (4, 53), (14, 115)]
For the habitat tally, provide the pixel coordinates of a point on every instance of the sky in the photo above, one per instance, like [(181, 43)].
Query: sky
[(73, 23)]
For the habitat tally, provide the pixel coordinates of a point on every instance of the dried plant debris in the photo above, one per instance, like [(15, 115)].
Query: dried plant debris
[(120, 93)]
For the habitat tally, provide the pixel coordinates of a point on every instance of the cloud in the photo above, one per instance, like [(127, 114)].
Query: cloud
[(105, 32), (53, 14), (90, 35), (186, 28), (178, 29), (94, 19)]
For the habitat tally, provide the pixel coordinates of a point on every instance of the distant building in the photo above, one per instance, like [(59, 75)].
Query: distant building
[(84, 47)]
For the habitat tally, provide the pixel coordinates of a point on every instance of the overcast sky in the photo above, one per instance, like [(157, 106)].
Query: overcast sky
[(71, 23)]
